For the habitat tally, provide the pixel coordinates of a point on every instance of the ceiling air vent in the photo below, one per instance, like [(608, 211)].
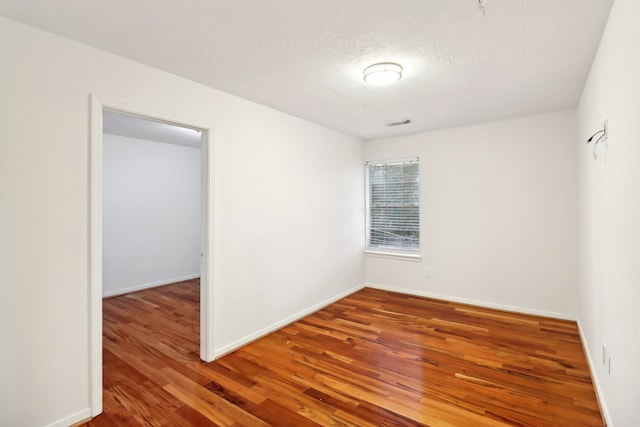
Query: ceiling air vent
[(399, 122)]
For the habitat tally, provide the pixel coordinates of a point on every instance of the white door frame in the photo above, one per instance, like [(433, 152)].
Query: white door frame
[(95, 234)]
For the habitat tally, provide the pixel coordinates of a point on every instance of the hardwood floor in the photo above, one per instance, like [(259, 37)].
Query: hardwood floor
[(374, 358)]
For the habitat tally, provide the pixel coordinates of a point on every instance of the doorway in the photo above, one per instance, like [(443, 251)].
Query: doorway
[(96, 193)]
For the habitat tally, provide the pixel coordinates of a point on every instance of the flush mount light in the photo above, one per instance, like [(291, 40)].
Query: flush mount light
[(382, 74)]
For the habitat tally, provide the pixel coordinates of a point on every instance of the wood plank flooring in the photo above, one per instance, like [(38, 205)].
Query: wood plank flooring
[(374, 358)]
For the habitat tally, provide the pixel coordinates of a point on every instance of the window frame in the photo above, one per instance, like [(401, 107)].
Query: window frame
[(388, 251)]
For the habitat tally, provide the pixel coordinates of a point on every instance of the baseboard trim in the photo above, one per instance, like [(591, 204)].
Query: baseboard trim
[(144, 286), (603, 405), (73, 419), (478, 303), (226, 349)]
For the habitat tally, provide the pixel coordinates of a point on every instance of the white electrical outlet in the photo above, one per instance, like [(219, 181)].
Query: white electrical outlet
[(606, 359), (427, 273)]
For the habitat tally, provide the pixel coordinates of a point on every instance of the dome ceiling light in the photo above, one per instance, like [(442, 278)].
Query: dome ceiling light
[(382, 74)]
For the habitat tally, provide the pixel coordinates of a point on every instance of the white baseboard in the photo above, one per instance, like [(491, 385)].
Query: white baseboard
[(226, 349), (72, 419), (594, 377), (478, 303), (106, 294)]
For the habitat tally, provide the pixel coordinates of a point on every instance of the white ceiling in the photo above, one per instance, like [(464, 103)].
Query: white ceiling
[(306, 57), (137, 127)]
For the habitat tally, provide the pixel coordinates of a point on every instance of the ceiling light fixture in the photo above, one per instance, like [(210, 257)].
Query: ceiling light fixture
[(383, 73)]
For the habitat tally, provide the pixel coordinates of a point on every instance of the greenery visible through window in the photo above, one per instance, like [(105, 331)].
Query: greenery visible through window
[(393, 205)]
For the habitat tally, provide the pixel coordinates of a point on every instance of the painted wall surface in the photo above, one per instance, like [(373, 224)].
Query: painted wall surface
[(610, 215), (151, 214), (288, 212), (498, 215)]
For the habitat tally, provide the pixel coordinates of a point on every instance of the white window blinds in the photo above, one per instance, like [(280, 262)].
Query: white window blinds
[(393, 208)]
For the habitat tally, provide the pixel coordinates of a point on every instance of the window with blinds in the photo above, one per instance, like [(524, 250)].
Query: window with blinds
[(393, 205)]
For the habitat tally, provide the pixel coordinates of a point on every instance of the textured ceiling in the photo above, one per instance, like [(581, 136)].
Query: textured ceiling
[(306, 57)]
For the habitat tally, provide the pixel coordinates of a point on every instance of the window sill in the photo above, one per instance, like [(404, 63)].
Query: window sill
[(393, 255)]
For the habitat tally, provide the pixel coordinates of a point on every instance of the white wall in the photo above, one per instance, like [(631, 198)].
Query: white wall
[(288, 212), (498, 209), (151, 214), (610, 215)]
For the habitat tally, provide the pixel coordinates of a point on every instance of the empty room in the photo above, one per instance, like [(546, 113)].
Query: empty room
[(393, 213)]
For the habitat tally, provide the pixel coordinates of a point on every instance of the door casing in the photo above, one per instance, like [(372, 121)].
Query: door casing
[(98, 104)]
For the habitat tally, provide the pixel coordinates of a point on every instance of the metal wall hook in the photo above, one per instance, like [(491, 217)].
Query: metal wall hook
[(603, 137)]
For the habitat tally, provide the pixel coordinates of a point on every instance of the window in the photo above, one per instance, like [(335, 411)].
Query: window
[(393, 208)]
